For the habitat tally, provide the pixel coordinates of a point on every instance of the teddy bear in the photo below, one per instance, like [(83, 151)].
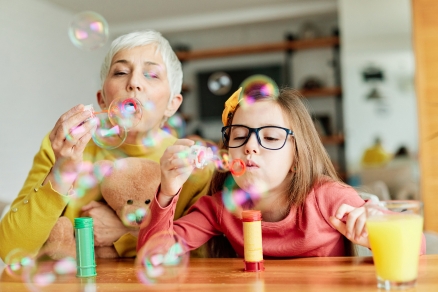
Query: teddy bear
[(128, 187)]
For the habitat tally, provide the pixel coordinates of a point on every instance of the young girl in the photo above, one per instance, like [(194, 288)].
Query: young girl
[(306, 211)]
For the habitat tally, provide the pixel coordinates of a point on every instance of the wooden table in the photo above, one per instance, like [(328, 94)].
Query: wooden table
[(304, 274)]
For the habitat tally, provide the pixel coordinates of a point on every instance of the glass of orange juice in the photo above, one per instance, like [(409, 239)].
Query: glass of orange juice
[(394, 232)]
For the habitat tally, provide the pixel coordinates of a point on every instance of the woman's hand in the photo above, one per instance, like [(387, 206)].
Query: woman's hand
[(108, 227), (68, 138), (350, 221), (175, 170)]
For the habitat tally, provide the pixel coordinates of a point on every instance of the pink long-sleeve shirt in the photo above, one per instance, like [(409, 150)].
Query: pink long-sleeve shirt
[(304, 232)]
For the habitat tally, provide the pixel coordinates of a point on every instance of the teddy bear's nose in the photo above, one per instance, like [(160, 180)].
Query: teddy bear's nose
[(139, 219)]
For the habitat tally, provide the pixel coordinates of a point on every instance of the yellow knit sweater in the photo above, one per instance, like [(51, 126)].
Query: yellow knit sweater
[(37, 208)]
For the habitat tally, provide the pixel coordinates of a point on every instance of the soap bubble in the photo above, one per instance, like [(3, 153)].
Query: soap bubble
[(256, 87), (17, 261), (126, 113), (47, 270), (221, 160), (234, 198), (88, 30), (84, 177), (219, 83), (175, 126), (108, 135), (163, 259), (153, 139)]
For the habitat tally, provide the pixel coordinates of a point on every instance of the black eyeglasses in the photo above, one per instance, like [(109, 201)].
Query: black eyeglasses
[(269, 137)]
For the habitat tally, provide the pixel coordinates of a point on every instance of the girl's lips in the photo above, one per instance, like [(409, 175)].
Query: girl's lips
[(251, 163)]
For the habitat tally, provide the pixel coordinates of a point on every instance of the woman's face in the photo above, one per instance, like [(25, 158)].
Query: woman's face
[(266, 170), (140, 73)]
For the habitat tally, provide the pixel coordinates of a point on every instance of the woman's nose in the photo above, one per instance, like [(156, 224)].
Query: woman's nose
[(134, 83), (252, 145)]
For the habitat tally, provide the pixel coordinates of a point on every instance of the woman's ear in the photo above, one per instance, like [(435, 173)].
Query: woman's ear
[(101, 99), (173, 105)]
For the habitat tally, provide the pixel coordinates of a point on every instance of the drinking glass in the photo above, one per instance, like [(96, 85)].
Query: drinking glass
[(395, 232)]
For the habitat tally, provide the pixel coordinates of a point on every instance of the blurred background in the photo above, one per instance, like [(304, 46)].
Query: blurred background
[(353, 60)]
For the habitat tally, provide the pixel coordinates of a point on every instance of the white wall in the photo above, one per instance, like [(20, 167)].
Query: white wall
[(377, 32), (42, 76)]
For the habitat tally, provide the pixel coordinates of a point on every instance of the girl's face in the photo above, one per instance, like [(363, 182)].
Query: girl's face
[(266, 170), (140, 73)]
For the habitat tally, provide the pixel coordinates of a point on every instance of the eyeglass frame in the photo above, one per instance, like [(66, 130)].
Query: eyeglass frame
[(256, 131)]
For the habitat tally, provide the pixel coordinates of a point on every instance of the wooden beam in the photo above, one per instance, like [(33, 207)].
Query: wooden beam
[(258, 48), (425, 32)]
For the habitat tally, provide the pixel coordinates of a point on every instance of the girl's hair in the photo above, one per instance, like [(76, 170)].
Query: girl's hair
[(143, 38), (311, 163)]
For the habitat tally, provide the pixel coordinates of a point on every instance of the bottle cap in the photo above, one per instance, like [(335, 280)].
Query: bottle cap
[(254, 266), (251, 215), (83, 222)]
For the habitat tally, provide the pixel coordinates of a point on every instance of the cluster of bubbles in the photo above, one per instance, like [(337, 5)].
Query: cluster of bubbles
[(88, 31), (84, 178), (163, 259), (40, 272), (112, 125), (200, 156)]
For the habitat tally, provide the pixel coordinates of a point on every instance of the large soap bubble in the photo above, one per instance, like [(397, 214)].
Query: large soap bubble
[(17, 262), (47, 271), (125, 112), (107, 135), (88, 30), (163, 259), (255, 87)]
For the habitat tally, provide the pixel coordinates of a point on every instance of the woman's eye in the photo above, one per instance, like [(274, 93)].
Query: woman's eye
[(151, 75), (119, 73)]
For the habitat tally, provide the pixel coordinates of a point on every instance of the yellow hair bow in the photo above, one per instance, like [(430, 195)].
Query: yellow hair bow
[(230, 105)]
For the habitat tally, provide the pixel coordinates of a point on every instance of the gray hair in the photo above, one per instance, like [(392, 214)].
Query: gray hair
[(143, 38)]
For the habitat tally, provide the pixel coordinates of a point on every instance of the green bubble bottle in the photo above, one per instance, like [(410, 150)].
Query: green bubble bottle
[(85, 260)]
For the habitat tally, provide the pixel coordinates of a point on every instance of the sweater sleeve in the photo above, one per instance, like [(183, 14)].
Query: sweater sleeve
[(196, 228), (331, 195), (36, 209)]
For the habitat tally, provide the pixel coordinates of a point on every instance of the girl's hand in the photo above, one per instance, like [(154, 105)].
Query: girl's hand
[(176, 168), (68, 138), (350, 221)]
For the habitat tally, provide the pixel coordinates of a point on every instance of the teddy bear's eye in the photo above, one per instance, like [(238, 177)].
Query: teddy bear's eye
[(147, 201), (129, 202)]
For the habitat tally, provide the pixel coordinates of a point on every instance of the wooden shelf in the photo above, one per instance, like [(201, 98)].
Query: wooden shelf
[(259, 48), (322, 92), (332, 140)]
